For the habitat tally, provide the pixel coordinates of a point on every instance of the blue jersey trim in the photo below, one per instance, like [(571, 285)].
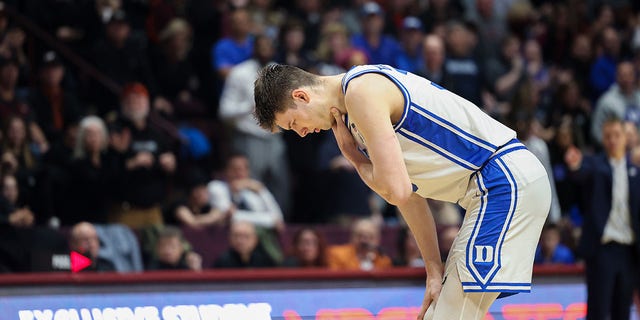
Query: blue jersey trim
[(383, 70), (485, 144), (405, 133), (499, 189)]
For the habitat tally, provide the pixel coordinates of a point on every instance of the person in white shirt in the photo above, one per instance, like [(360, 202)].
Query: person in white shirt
[(609, 242), (267, 153), (250, 201)]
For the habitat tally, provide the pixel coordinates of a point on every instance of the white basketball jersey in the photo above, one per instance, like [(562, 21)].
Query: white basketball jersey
[(444, 138)]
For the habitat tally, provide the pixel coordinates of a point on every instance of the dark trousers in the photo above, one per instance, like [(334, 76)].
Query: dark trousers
[(611, 275)]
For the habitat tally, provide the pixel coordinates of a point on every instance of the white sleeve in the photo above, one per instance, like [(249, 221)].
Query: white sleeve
[(267, 217), (235, 101), (220, 195)]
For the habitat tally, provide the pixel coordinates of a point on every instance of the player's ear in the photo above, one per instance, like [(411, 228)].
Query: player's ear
[(300, 95)]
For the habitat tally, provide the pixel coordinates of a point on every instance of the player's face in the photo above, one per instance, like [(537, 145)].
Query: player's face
[(303, 120)]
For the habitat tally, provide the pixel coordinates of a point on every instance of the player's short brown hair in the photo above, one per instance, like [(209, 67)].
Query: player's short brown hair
[(273, 88)]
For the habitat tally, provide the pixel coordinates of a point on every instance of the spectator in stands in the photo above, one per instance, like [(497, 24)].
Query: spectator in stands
[(445, 213), (266, 152), (244, 250), (176, 76), (235, 48), (148, 162), (550, 250), (621, 100), (250, 201), (120, 246), (20, 240), (13, 104), (506, 73), (409, 57), (523, 123), (196, 211), (362, 252), (340, 182), (433, 58), (84, 240), (335, 51), (491, 27), (309, 249), (22, 158), (465, 72), (19, 216), (603, 70), (408, 252), (609, 241), (54, 106), (440, 12), (292, 51), (14, 255), (571, 106), (311, 13), (170, 253), (92, 174), (537, 71), (580, 60), (12, 46), (121, 58), (267, 17), (380, 48), (446, 238)]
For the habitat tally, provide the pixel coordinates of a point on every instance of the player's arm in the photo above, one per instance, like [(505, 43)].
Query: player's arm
[(369, 102), (418, 216)]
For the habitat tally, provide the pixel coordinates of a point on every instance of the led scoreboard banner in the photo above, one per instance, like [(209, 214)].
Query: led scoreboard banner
[(263, 295)]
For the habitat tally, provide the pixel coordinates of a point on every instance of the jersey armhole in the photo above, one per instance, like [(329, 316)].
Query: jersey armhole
[(405, 93)]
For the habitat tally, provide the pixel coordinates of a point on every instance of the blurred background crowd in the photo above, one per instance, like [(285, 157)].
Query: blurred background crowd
[(127, 132)]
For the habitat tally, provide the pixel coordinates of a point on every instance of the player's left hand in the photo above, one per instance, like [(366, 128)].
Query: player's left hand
[(434, 286), (346, 142)]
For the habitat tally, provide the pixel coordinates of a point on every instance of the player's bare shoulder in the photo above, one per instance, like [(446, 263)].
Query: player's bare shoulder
[(373, 91)]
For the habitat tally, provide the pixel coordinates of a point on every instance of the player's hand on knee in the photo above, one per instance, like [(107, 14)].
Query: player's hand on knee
[(431, 295)]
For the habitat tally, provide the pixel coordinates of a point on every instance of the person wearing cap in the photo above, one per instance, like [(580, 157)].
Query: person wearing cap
[(410, 56), (121, 58), (54, 106), (380, 48)]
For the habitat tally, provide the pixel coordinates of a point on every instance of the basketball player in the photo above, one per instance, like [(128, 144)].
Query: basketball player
[(411, 139)]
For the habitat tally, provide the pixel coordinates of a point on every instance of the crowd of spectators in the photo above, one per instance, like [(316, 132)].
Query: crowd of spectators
[(123, 118)]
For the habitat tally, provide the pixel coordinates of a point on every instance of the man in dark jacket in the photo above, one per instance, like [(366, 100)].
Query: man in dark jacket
[(611, 225)]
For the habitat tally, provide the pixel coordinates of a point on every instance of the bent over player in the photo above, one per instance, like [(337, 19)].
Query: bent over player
[(411, 139)]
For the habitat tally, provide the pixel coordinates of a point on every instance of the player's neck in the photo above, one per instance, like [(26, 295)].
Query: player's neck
[(332, 87)]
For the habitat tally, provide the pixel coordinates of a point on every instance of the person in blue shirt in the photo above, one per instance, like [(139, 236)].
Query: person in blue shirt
[(381, 48), (410, 56), (550, 250), (235, 48), (603, 69)]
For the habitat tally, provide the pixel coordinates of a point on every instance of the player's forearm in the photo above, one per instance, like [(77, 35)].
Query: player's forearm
[(365, 170), (418, 216)]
